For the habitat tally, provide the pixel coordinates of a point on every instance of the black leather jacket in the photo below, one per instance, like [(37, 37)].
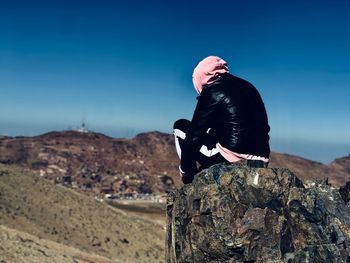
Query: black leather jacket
[(234, 109)]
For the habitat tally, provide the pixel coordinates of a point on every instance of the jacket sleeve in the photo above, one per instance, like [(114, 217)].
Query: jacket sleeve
[(207, 104)]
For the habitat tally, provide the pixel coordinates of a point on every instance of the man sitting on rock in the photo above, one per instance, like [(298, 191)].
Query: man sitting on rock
[(229, 123)]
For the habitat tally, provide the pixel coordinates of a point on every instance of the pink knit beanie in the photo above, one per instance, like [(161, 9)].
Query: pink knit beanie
[(208, 71)]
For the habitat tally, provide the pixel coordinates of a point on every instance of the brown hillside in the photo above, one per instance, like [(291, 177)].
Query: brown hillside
[(31, 204), (307, 169), (21, 247), (95, 163), (341, 164)]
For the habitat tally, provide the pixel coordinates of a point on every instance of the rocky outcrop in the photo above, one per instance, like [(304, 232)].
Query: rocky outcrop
[(345, 192), (236, 213)]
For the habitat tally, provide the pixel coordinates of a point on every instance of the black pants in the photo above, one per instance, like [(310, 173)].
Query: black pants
[(208, 155)]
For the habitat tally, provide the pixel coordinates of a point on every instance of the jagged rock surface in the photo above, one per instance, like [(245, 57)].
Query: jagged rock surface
[(236, 213), (345, 192)]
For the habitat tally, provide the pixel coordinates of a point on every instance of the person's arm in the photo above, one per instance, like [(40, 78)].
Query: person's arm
[(207, 103)]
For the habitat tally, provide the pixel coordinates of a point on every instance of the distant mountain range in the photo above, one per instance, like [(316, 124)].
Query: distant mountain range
[(98, 164)]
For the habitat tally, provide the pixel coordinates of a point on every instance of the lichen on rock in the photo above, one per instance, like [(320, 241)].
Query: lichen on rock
[(236, 213)]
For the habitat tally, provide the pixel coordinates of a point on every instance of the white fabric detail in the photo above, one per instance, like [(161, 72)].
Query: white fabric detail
[(204, 149), (256, 179), (180, 134), (252, 157), (177, 146), (181, 172)]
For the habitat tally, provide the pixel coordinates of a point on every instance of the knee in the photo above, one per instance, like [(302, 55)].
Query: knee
[(182, 125)]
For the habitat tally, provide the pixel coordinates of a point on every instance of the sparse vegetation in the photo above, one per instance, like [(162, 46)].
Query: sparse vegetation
[(31, 204)]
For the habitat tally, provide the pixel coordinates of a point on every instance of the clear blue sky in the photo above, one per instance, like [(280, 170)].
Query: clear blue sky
[(126, 66)]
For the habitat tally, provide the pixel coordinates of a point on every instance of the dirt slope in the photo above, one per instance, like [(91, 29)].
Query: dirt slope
[(31, 204), (21, 247)]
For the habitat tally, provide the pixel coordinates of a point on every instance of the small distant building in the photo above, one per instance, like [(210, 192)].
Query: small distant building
[(82, 128)]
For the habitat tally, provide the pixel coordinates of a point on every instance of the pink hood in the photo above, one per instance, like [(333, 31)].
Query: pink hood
[(208, 71)]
